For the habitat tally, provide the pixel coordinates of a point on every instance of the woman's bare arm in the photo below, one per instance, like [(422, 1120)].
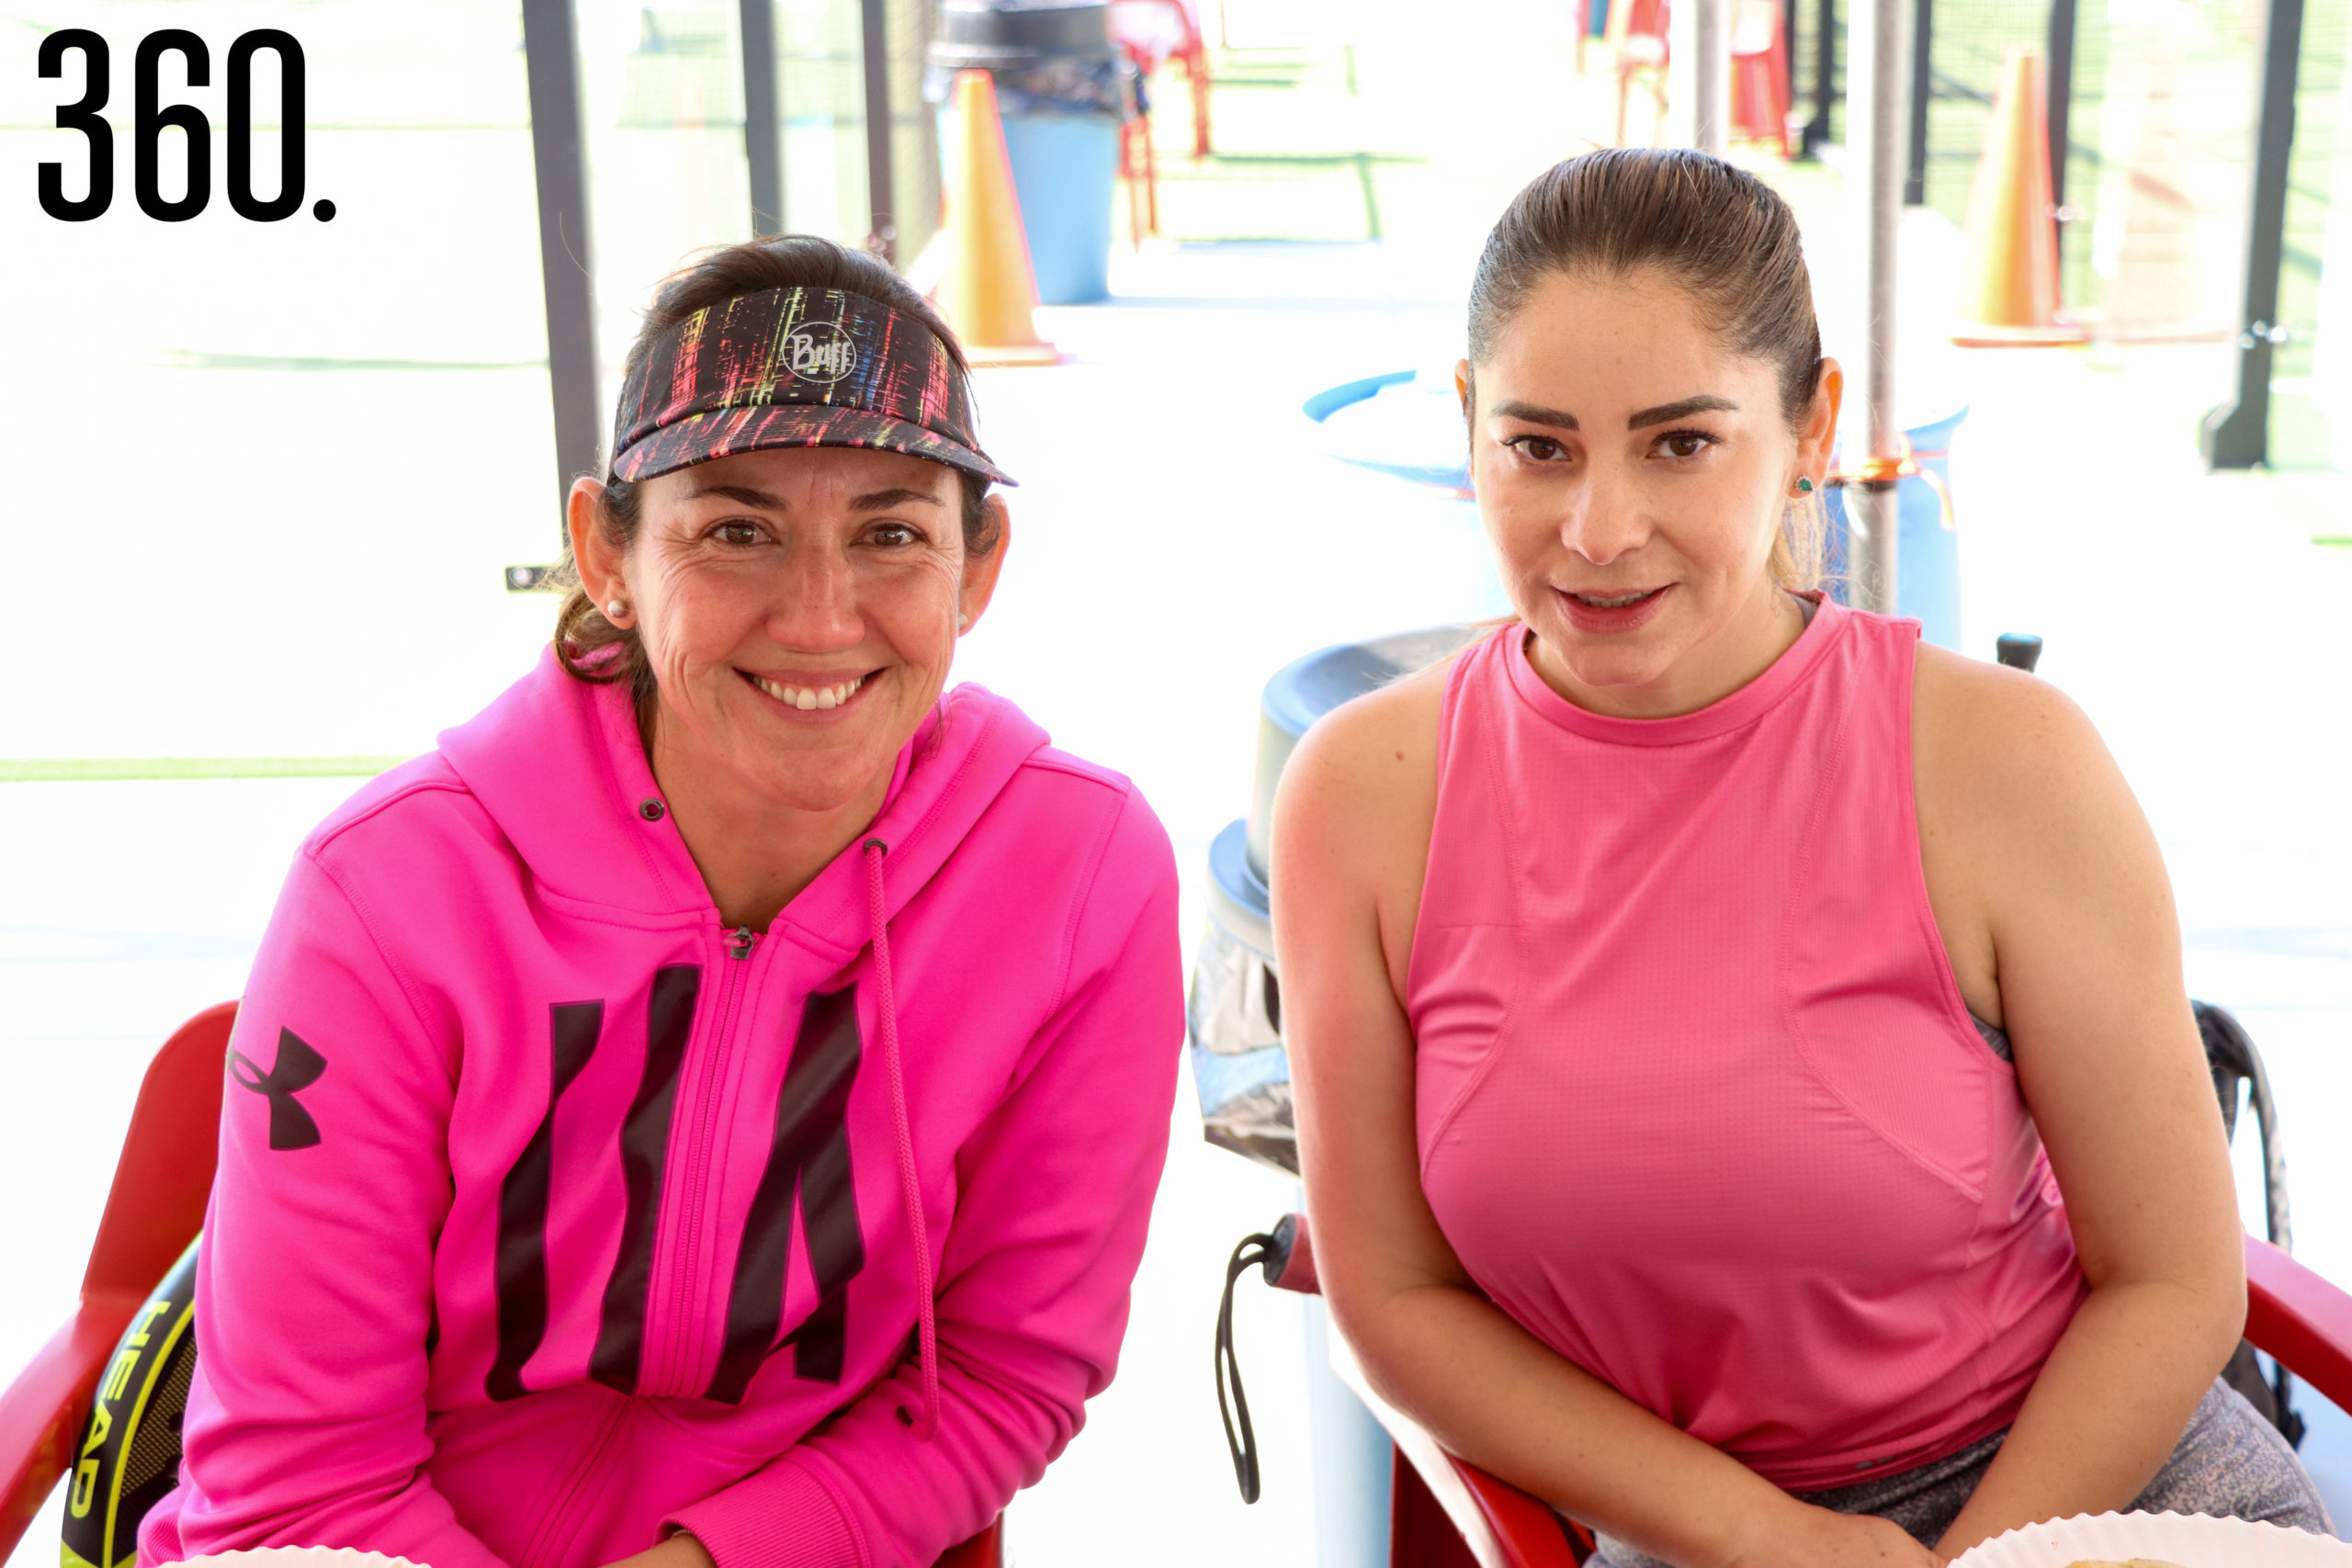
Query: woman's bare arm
[(2056, 910), (1351, 829)]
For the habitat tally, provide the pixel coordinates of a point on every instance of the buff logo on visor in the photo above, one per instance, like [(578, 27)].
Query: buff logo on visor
[(819, 353), (795, 368)]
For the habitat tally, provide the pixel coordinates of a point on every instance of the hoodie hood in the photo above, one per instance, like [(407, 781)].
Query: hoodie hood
[(558, 765)]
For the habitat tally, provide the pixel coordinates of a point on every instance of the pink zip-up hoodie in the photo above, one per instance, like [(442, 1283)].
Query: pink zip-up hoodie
[(551, 1215)]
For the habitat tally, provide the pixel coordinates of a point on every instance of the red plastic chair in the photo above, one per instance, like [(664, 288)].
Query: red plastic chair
[(1447, 1513), (1137, 165), (1759, 75), (1155, 31), (153, 1210)]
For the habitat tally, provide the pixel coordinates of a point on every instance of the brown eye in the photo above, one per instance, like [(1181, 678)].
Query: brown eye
[(1687, 443), (1537, 448), (736, 532), (894, 534)]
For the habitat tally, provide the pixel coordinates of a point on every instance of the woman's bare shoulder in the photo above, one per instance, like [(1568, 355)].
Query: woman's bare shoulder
[(1375, 754), (2021, 808), (1990, 733), (1352, 819)]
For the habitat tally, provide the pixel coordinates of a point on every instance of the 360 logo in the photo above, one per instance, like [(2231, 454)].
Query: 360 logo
[(150, 118)]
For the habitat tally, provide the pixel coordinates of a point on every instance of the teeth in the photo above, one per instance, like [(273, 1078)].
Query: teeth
[(810, 699), (1619, 602)]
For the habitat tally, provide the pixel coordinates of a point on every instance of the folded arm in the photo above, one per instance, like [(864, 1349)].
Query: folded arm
[(306, 1422), (2057, 911)]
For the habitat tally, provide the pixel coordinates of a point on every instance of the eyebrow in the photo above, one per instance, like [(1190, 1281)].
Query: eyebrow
[(1535, 413), (1704, 403), (745, 494), (875, 501), (882, 499)]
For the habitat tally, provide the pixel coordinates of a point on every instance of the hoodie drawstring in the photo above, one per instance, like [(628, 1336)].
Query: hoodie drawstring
[(926, 1423)]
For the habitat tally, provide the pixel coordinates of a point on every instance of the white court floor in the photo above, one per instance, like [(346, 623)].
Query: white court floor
[(1179, 537)]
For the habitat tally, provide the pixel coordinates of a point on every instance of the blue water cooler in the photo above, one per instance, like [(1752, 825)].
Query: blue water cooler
[(1927, 571)]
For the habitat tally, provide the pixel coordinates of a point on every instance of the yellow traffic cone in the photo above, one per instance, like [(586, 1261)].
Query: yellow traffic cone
[(2009, 293), (989, 289)]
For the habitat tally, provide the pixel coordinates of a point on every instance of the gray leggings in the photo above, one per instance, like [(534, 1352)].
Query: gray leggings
[(2229, 1462)]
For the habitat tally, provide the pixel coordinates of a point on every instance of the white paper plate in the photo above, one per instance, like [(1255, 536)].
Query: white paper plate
[(2191, 1541), (300, 1557)]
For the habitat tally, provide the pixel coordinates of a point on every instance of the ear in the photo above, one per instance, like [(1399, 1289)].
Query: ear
[(1817, 437), (980, 573), (599, 562)]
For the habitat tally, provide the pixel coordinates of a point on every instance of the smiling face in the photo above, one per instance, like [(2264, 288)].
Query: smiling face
[(800, 608), (1632, 473)]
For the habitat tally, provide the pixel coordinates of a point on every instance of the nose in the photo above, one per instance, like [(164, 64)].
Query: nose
[(1601, 517), (816, 606)]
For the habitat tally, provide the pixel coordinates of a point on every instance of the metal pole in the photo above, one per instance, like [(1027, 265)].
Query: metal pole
[(1789, 54), (881, 191), (1711, 79), (763, 118), (1824, 75), (1914, 178), (2237, 434), (559, 159), (1875, 126), (2058, 90)]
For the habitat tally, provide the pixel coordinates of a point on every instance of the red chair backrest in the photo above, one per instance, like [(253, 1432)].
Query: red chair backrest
[(164, 1175)]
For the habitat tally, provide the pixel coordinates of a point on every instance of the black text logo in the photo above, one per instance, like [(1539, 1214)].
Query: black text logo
[(151, 117), (819, 351)]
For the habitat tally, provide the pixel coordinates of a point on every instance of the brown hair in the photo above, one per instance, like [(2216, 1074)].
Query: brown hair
[(1723, 235), (584, 640)]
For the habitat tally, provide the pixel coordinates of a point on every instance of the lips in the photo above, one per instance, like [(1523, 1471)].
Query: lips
[(1601, 614), (807, 694)]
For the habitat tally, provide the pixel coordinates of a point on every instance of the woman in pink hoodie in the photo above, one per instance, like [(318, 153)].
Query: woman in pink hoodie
[(708, 1110)]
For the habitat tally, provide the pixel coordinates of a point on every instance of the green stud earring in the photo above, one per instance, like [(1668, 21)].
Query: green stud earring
[(1805, 486)]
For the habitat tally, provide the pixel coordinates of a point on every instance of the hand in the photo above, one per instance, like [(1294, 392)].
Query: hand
[(1806, 1536), (681, 1550)]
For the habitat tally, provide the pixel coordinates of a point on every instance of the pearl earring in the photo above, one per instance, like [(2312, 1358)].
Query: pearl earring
[(963, 623), (616, 610)]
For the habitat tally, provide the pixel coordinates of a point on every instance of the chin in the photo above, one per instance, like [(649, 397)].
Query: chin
[(794, 789)]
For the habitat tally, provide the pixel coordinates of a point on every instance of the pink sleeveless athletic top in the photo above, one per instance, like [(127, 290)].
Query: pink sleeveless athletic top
[(1698, 1101)]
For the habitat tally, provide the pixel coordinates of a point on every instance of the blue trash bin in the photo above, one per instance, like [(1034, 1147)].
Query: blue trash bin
[(1243, 1071), (1062, 91), (1064, 167)]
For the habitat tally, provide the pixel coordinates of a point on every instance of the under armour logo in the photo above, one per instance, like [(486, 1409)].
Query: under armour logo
[(298, 1066)]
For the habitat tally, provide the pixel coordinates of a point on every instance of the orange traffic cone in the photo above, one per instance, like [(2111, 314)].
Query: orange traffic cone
[(2155, 279), (2009, 295), (989, 289)]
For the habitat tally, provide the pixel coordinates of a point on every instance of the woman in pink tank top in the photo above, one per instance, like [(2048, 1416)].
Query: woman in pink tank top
[(1746, 1086)]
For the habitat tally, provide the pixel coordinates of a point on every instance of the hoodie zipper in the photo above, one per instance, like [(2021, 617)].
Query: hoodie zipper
[(740, 942)]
